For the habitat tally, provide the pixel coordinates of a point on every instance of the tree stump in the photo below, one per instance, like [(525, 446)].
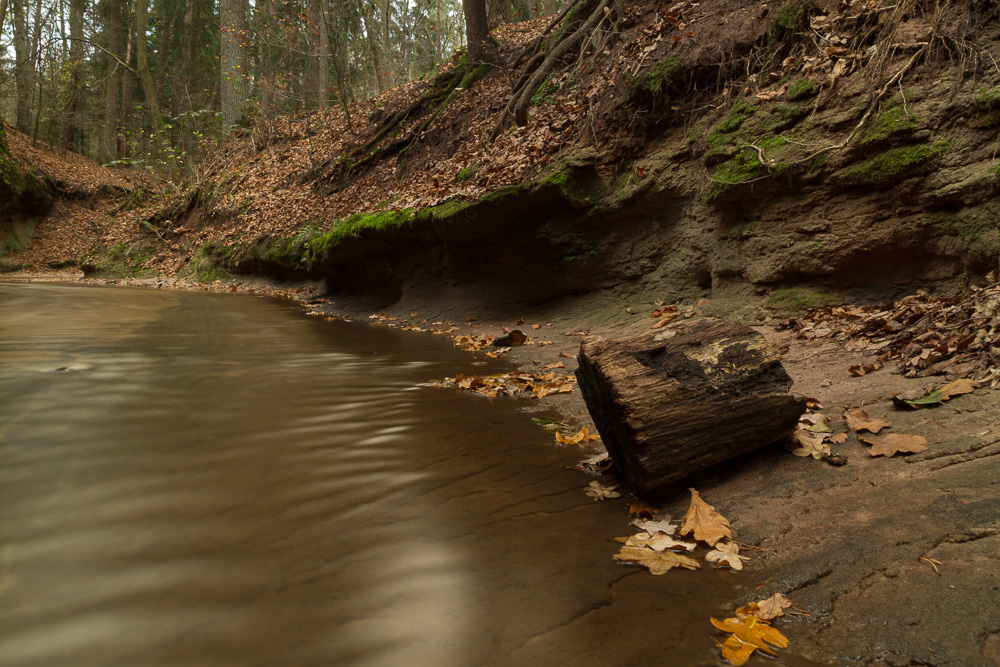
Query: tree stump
[(679, 400)]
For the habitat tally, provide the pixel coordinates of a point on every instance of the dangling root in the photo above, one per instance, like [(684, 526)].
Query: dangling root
[(525, 88)]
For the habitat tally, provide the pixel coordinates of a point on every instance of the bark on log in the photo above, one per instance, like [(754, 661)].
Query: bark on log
[(679, 400)]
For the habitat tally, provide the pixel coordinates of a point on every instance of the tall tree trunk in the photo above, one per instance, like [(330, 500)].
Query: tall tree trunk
[(323, 58), (146, 81), (437, 29), (233, 17), (549, 7), (126, 105), (476, 29), (23, 67), (36, 66), (112, 92), (75, 107), (372, 47), (3, 13)]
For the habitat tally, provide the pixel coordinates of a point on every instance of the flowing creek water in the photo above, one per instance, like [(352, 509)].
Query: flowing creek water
[(202, 479)]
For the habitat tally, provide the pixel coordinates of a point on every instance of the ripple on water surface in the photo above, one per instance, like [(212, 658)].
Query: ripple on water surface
[(218, 480)]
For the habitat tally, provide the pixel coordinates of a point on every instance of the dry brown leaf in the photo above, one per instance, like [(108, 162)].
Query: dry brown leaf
[(772, 607), (858, 420), (655, 526), (895, 443), (863, 369), (642, 511), (728, 553), (707, 525), (597, 491), (658, 542), (810, 444), (958, 387), (657, 562), (596, 463)]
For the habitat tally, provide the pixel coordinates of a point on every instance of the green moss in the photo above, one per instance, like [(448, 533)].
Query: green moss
[(501, 195), (574, 243), (797, 299), (694, 135), (988, 98), (465, 174), (545, 92), (744, 166), (124, 260), (799, 89), (724, 131), (784, 21), (475, 75), (449, 209), (893, 120), (661, 77), (896, 161)]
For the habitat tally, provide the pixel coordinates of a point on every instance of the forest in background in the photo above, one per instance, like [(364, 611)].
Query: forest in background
[(157, 83)]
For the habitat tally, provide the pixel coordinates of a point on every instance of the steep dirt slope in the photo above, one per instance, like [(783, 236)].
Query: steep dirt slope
[(827, 151)]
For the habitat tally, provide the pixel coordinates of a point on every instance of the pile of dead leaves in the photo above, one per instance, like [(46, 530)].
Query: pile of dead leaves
[(926, 335), (655, 547), (515, 383), (815, 435)]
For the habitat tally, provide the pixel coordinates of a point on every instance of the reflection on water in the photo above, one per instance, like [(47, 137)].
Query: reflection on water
[(217, 480)]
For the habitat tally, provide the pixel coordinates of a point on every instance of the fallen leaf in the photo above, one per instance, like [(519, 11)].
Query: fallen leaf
[(598, 492), (655, 526), (895, 443), (707, 525), (644, 511), (554, 365), (810, 444), (581, 437), (658, 562), (958, 387), (728, 553), (748, 634), (772, 607), (658, 542), (858, 420), (863, 369), (596, 463), (837, 439)]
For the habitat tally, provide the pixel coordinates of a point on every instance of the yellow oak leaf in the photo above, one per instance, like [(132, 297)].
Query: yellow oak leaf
[(657, 562), (707, 525), (748, 632)]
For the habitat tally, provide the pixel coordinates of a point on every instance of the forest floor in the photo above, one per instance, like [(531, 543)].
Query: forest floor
[(895, 559)]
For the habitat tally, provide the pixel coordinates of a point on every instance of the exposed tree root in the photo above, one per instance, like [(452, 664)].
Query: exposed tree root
[(579, 25), (338, 167)]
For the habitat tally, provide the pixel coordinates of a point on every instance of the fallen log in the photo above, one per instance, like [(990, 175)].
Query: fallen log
[(672, 402)]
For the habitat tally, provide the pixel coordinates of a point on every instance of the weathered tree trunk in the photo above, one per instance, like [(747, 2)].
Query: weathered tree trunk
[(113, 25), (476, 29), (74, 138), (232, 26), (676, 401)]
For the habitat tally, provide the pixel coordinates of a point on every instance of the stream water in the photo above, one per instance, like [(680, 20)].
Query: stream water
[(198, 479)]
